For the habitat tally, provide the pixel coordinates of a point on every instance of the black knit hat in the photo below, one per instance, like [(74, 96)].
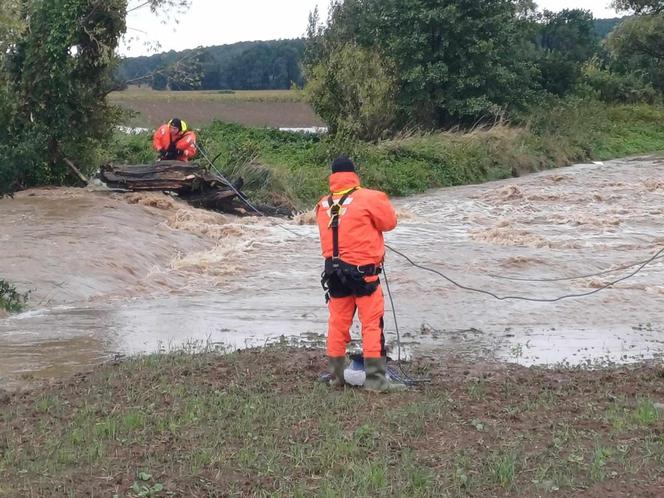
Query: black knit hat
[(177, 123), (343, 164)]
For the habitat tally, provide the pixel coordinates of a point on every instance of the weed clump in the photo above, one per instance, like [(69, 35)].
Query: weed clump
[(11, 300)]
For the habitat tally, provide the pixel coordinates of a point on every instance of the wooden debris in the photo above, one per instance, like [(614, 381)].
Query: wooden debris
[(190, 181)]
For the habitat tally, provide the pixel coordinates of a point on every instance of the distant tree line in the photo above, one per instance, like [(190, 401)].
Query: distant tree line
[(266, 65), (262, 65), (377, 66)]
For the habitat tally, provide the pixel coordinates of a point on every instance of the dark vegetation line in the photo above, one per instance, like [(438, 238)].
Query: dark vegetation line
[(256, 65)]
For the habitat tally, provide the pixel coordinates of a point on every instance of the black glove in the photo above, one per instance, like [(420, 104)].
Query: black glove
[(172, 152)]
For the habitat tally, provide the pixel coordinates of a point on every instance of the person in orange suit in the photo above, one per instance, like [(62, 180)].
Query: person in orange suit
[(174, 141), (351, 221)]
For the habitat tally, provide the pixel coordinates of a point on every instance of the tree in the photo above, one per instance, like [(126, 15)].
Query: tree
[(567, 39), (637, 45), (640, 6), (456, 61), (159, 81), (57, 69), (604, 26)]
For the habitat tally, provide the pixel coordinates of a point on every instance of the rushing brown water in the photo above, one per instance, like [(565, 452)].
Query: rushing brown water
[(112, 273)]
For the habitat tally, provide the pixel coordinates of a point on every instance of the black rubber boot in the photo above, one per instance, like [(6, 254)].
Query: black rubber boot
[(336, 366), (376, 379)]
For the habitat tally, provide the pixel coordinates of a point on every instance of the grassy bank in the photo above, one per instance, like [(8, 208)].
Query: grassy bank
[(291, 170), (257, 423)]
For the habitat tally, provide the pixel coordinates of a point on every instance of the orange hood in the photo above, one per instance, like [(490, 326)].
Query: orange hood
[(343, 181)]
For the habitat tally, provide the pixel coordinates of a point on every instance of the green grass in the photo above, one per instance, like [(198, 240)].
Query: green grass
[(502, 467), (291, 170), (257, 423)]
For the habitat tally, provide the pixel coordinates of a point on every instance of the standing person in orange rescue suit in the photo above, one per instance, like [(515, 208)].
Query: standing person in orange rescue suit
[(351, 221), (174, 141)]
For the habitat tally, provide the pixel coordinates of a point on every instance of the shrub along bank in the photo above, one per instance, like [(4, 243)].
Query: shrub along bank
[(288, 169)]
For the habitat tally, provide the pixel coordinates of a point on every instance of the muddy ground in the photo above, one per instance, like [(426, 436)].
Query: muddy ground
[(258, 423)]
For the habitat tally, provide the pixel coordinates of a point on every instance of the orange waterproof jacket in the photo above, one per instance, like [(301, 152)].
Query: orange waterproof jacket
[(181, 146), (365, 215)]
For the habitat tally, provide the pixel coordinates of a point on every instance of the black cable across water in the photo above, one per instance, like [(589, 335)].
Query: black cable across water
[(237, 192), (578, 277), (525, 298)]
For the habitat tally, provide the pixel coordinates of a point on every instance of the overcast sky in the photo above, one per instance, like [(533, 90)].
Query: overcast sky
[(218, 22)]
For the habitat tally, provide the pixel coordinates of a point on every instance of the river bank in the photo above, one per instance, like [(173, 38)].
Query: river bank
[(290, 169), (257, 422)]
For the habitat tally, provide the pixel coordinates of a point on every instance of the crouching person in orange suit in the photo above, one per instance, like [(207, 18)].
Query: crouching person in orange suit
[(175, 141), (351, 221)]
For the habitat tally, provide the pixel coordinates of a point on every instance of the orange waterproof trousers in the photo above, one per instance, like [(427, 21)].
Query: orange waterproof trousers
[(342, 311)]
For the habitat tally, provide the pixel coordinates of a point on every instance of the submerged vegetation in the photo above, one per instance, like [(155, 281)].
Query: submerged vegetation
[(11, 300)]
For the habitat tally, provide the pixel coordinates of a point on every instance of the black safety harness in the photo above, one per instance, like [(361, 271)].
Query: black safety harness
[(341, 279), (172, 153)]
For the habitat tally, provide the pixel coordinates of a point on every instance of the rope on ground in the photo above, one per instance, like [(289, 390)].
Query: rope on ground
[(406, 376)]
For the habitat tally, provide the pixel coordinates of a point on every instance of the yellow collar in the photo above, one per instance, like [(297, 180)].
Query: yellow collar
[(344, 192)]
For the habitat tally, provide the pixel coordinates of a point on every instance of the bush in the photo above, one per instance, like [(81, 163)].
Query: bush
[(612, 87), (354, 92)]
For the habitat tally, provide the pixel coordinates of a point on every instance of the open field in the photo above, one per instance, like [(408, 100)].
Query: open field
[(272, 108), (257, 423), (145, 94)]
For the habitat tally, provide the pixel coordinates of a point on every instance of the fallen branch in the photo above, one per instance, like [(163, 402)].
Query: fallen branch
[(73, 167)]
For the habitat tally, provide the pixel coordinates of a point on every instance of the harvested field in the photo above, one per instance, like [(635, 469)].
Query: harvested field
[(276, 108), (257, 423)]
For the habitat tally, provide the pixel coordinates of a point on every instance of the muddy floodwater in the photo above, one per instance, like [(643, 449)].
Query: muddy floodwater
[(118, 274)]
